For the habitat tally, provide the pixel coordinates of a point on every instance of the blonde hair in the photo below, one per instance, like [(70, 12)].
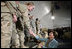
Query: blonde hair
[(29, 3)]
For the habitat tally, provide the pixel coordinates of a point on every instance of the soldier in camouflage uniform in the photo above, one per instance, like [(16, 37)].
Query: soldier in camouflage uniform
[(24, 9), (17, 36), (23, 18), (37, 23), (32, 23), (6, 25)]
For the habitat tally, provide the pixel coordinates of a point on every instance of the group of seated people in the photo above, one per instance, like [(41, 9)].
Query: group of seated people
[(47, 40)]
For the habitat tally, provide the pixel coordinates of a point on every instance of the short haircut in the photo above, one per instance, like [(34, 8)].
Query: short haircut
[(36, 19), (54, 33), (29, 3)]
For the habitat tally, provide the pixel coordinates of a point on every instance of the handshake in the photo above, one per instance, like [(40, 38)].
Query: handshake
[(31, 32)]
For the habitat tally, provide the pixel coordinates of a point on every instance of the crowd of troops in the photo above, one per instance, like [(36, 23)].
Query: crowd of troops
[(16, 23)]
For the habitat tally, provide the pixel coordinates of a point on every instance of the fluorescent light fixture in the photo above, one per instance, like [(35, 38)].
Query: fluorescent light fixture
[(47, 10), (52, 17)]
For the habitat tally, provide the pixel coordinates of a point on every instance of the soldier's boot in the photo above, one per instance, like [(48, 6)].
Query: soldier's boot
[(24, 47), (6, 30)]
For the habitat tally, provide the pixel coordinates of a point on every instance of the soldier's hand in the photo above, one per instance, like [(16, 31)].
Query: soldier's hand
[(31, 32), (14, 18)]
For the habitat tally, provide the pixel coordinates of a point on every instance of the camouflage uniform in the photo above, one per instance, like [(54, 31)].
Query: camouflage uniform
[(9, 30), (37, 27), (23, 18), (32, 23), (23, 9), (6, 26)]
